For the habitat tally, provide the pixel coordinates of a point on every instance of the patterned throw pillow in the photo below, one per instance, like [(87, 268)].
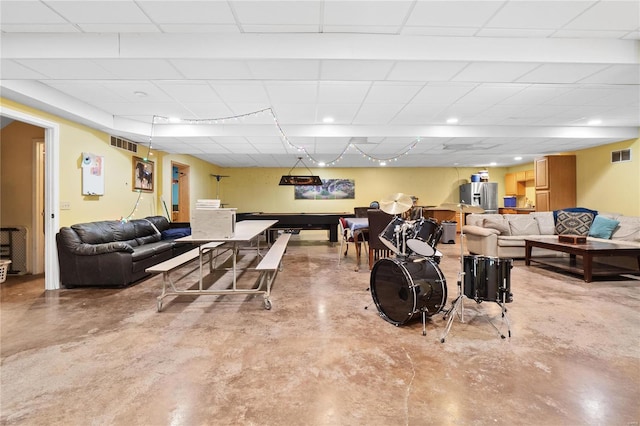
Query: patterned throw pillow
[(573, 223)]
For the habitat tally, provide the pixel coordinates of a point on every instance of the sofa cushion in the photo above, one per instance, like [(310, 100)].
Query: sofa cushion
[(104, 231), (602, 227), (501, 225), (173, 233), (513, 241), (524, 226), (574, 223), (476, 219), (546, 223), (628, 229)]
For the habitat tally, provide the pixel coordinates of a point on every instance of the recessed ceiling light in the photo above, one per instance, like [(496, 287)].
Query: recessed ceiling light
[(327, 120), (383, 163), (517, 158), (321, 164), (452, 120), (140, 94), (594, 122), (493, 163)]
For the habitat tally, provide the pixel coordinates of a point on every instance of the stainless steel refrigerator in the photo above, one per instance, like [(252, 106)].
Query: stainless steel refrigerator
[(483, 194)]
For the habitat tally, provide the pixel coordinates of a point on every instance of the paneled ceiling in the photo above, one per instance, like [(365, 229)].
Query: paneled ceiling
[(421, 83)]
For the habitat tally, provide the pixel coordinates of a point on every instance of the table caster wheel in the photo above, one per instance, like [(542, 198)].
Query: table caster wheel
[(267, 304), (159, 305), (442, 340)]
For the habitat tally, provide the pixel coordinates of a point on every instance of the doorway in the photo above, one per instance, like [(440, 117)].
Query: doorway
[(180, 197), (38, 207), (51, 187)]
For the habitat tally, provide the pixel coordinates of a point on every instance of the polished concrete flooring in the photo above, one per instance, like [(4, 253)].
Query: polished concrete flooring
[(322, 355)]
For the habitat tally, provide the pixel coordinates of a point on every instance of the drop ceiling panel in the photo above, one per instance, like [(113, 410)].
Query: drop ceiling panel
[(425, 70), (453, 14), (100, 12), (366, 13), (342, 92), (188, 12), (355, 70), (499, 72), (210, 69), (28, 12), (608, 15), (67, 69), (537, 14), (561, 73), (138, 69), (277, 12), (388, 92)]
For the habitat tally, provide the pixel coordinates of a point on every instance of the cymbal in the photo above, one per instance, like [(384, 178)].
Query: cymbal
[(396, 203), (456, 207)]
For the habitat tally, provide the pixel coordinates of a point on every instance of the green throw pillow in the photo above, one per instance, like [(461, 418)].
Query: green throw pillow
[(603, 227)]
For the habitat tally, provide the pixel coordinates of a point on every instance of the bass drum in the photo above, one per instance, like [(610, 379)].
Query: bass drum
[(488, 278), (402, 289)]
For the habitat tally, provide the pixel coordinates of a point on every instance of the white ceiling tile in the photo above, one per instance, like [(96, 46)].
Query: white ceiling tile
[(589, 34), (608, 15), (341, 113), (615, 74), (199, 28), (292, 92), (536, 94), (100, 12), (130, 69), (289, 69), (360, 29), (377, 113), (27, 12), (342, 92), (439, 31), (67, 69), (499, 72), (425, 70), (39, 28), (537, 14), (188, 12), (249, 92), (366, 13), (453, 13), (119, 28), (355, 70), (311, 28), (277, 12), (10, 70), (392, 92), (189, 91), (489, 94), (514, 33), (443, 93), (212, 69), (295, 113), (561, 73)]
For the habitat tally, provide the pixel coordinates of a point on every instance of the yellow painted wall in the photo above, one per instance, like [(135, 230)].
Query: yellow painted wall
[(606, 186), (119, 199), (256, 189)]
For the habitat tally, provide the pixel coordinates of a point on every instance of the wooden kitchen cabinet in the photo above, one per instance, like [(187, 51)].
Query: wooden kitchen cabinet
[(515, 184), (555, 177)]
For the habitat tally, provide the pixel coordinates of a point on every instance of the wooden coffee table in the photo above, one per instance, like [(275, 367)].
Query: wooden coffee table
[(587, 251)]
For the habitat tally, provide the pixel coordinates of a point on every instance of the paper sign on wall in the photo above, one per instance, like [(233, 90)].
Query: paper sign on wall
[(92, 174)]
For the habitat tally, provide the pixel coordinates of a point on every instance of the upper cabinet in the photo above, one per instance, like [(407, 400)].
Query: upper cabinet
[(516, 183), (555, 177)]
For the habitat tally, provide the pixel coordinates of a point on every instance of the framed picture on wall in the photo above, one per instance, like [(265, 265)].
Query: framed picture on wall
[(142, 174)]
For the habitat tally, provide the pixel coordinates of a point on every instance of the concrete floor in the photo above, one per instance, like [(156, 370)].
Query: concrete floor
[(320, 357)]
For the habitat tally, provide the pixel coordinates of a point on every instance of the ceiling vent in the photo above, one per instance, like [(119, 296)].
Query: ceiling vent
[(621, 156), (124, 144)]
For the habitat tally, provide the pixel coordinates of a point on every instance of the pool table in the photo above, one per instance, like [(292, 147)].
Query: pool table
[(328, 221)]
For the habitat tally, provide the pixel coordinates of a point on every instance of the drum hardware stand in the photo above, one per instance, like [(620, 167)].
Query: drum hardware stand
[(503, 312)]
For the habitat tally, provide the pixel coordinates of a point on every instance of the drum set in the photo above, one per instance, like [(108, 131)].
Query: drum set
[(411, 284)]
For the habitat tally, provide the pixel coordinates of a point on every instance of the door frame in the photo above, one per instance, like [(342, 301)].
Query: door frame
[(51, 191), (39, 153), (184, 191)]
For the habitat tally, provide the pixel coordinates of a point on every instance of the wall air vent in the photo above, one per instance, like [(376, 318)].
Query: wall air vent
[(124, 144), (621, 156)]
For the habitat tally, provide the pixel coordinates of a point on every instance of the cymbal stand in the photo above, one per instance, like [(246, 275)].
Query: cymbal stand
[(458, 303)]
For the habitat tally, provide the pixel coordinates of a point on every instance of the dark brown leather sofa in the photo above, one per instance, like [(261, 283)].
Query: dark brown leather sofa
[(116, 253)]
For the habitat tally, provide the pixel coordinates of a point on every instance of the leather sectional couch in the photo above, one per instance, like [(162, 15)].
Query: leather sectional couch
[(116, 253)]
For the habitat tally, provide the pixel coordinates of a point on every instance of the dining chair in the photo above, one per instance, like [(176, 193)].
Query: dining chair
[(347, 237), (360, 211), (378, 221)]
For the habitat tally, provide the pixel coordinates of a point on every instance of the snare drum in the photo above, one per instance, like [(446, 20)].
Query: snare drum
[(427, 233), (488, 278), (402, 289)]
